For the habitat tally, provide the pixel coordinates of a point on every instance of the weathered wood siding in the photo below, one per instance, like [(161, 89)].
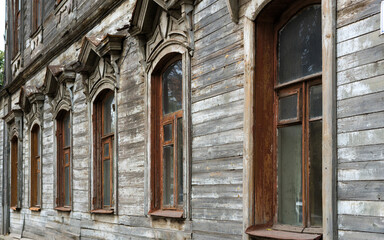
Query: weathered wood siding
[(217, 123), (360, 91)]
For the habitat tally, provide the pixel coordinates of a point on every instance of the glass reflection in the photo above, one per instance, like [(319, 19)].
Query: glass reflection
[(172, 88)]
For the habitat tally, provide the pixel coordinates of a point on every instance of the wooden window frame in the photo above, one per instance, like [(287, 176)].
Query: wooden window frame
[(36, 15), (35, 168), (14, 172), (61, 165), (16, 27), (99, 139), (264, 214), (157, 128)]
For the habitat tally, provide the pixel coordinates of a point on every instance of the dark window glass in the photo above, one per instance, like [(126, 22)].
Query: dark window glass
[(315, 101), (288, 108), (67, 133), (168, 176), (109, 115), (290, 175), (172, 88), (315, 177), (106, 182), (299, 50), (167, 132), (67, 201), (180, 160)]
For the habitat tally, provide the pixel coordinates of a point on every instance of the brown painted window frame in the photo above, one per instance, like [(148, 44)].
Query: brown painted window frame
[(157, 129), (16, 26), (36, 12), (35, 168), (99, 139), (14, 172), (61, 165), (265, 179)]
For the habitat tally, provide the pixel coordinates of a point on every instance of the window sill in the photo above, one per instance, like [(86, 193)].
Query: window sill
[(102, 211), (63, 209), (167, 214), (14, 208), (35, 209), (36, 32), (279, 234)]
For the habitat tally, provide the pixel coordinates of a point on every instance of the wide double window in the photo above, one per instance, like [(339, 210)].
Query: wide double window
[(167, 112), (103, 137), (63, 137), (35, 168)]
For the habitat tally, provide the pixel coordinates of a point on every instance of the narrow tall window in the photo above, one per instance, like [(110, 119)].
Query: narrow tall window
[(16, 25), (63, 135), (288, 119), (298, 125), (103, 133), (14, 166), (36, 18), (35, 168), (168, 139)]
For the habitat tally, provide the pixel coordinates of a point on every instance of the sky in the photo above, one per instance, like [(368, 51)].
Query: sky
[(2, 23)]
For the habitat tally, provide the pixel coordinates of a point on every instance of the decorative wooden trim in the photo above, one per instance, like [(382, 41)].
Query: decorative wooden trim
[(233, 8)]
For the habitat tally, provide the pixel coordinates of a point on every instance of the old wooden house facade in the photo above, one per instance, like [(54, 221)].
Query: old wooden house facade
[(193, 119)]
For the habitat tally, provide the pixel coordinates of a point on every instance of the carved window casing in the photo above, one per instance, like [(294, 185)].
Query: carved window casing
[(31, 102), (166, 38), (100, 61), (58, 86), (14, 120)]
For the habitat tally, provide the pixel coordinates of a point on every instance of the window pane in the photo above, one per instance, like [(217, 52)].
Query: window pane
[(299, 47), (180, 160), (38, 141), (106, 150), (290, 204), (172, 88), (168, 132), (106, 183), (66, 158), (315, 101), (38, 188), (66, 186), (168, 176), (67, 138), (315, 179), (288, 107), (109, 115)]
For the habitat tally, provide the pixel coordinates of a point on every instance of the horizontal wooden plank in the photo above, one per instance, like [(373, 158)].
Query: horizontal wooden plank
[(218, 100), (360, 43), (361, 223), (360, 105), (355, 89), (361, 190), (231, 136), (354, 235), (217, 191), (363, 57), (217, 214), (361, 171), (357, 11), (219, 112), (218, 178), (359, 28), (361, 153), (361, 208), (361, 122), (218, 227), (367, 137)]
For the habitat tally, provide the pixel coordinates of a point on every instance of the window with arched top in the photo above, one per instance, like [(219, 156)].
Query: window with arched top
[(288, 121), (35, 202), (103, 152), (14, 170), (167, 140), (63, 140)]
